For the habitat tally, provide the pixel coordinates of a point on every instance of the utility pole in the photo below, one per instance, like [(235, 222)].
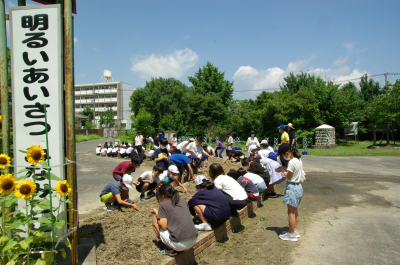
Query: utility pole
[(386, 79), (94, 107)]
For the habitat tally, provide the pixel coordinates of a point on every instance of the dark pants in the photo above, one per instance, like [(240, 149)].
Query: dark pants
[(140, 150), (228, 152), (220, 153), (151, 186), (235, 204)]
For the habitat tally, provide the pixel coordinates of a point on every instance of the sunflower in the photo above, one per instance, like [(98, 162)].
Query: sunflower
[(25, 188), (4, 160), (7, 183), (62, 188), (35, 154)]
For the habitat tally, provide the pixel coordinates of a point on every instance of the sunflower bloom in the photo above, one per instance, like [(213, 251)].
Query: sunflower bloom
[(7, 184), (4, 160), (62, 188), (35, 154), (25, 188)]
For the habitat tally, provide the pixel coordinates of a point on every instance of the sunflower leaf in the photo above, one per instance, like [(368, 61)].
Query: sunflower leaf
[(15, 224), (22, 151), (44, 204), (43, 164), (10, 201), (20, 177), (25, 243), (9, 245), (52, 176), (22, 170), (60, 224), (67, 243), (68, 201), (44, 220)]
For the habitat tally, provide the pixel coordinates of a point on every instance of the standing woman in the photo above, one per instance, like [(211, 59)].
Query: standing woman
[(173, 222), (292, 135), (234, 193), (252, 141), (228, 143), (138, 143), (293, 189), (174, 142)]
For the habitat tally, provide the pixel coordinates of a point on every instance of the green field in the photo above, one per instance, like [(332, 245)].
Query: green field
[(349, 148), (83, 138), (352, 149)]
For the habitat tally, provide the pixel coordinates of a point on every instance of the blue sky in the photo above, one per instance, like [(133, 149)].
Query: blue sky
[(256, 43)]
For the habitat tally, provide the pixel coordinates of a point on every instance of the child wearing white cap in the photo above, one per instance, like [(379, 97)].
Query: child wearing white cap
[(170, 176), (98, 149), (117, 191)]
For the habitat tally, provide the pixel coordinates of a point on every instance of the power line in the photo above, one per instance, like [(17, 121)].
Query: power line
[(266, 89)]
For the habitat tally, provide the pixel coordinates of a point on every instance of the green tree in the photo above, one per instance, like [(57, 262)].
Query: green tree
[(143, 122), (107, 118), (208, 80), (87, 111), (163, 98), (384, 109)]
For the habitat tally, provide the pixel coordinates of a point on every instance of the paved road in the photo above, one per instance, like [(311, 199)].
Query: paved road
[(379, 165), (94, 173)]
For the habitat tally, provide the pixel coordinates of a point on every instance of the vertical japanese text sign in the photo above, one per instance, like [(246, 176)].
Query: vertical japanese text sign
[(37, 79)]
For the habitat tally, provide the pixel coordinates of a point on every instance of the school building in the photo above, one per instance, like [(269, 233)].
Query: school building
[(103, 96)]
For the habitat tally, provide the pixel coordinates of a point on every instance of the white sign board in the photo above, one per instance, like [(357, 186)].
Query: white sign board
[(37, 79)]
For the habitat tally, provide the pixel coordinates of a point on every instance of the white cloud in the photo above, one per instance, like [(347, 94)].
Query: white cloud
[(173, 64), (75, 39), (341, 60), (249, 78)]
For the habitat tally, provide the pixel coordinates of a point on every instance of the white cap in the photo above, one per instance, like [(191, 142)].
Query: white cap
[(199, 180), (251, 148), (127, 180), (173, 169)]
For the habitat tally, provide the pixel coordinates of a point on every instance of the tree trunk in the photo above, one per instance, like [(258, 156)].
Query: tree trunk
[(374, 136), (388, 134)]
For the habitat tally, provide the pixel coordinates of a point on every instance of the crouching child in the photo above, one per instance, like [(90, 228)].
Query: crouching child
[(117, 192), (209, 204), (173, 223), (149, 181)]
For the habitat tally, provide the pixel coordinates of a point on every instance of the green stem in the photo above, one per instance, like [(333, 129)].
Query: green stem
[(29, 232), (48, 170)]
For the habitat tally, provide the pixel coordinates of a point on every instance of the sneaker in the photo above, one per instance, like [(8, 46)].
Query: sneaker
[(142, 198), (288, 237), (170, 252), (271, 195), (108, 207), (296, 233), (151, 194), (130, 201), (203, 227)]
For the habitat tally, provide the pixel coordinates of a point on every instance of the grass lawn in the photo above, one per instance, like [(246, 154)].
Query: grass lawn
[(352, 149), (83, 138)]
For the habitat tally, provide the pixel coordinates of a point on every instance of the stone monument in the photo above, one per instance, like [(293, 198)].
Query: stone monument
[(325, 137)]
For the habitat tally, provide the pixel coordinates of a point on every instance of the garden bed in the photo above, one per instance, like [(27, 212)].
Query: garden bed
[(126, 236)]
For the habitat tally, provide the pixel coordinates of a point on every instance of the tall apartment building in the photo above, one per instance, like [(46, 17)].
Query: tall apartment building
[(103, 96)]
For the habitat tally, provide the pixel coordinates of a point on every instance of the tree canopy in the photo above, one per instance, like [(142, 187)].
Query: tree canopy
[(304, 99)]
